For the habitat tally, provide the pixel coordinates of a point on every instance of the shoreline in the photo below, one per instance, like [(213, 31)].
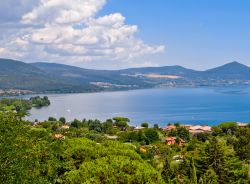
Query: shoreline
[(125, 90), (177, 112)]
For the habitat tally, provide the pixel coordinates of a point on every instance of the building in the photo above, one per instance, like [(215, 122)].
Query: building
[(172, 140), (139, 128), (242, 125), (65, 127), (112, 137), (186, 126), (143, 150), (58, 136), (199, 129), (35, 123), (178, 158), (170, 127)]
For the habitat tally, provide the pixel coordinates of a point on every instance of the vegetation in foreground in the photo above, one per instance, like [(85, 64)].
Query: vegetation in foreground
[(89, 151)]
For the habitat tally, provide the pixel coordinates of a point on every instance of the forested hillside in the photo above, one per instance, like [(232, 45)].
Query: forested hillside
[(90, 151), (22, 76), (58, 78)]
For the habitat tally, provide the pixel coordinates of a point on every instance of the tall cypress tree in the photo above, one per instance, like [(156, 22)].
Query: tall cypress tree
[(166, 171), (216, 160), (193, 172)]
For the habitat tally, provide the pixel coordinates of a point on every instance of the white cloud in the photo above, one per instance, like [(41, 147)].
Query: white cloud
[(63, 11), (69, 30)]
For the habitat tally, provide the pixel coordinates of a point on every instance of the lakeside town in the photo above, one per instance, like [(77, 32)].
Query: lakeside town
[(192, 129), (14, 92)]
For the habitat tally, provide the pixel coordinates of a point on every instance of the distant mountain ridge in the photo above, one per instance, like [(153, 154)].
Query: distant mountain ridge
[(53, 77), (233, 67)]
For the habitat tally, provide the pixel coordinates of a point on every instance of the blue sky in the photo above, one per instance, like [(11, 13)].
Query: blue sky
[(197, 34)]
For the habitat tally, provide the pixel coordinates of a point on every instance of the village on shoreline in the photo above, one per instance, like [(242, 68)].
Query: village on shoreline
[(169, 140)]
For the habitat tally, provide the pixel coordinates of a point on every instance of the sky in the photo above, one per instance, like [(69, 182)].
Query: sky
[(114, 34)]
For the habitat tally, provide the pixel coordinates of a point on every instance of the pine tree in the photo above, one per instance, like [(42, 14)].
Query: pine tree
[(216, 160), (166, 171), (193, 172), (209, 177)]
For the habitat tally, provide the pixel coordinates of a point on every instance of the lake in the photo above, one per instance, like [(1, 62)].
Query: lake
[(190, 106)]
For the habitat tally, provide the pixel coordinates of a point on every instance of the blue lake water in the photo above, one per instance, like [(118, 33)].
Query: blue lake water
[(190, 106)]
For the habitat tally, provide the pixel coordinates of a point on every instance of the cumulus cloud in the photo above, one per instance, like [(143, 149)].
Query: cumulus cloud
[(63, 11), (71, 31)]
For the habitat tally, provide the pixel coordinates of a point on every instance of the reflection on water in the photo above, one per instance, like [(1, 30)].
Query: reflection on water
[(193, 106)]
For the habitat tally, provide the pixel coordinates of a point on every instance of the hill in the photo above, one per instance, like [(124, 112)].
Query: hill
[(80, 76), (53, 77), (166, 70), (233, 70), (19, 75)]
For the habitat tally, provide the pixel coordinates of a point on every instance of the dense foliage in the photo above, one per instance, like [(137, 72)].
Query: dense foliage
[(21, 106), (92, 152)]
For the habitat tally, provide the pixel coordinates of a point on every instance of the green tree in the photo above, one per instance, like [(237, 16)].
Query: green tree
[(62, 119), (39, 102), (107, 126), (228, 127), (216, 131), (130, 137), (27, 155), (216, 159), (55, 126), (183, 133), (209, 177), (167, 173), (110, 162), (156, 126), (52, 119), (203, 137), (145, 125), (121, 122), (76, 123), (114, 169), (177, 124), (95, 125), (21, 113), (193, 172), (242, 144), (151, 135)]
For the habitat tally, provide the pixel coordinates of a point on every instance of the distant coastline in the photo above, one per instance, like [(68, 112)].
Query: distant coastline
[(205, 106), (5, 93), (22, 78)]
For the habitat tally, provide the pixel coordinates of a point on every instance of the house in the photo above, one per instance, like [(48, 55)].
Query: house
[(65, 127), (178, 158), (112, 137), (170, 127), (199, 129), (172, 140), (143, 150), (186, 126), (58, 136), (35, 123), (242, 125), (139, 128), (207, 128)]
